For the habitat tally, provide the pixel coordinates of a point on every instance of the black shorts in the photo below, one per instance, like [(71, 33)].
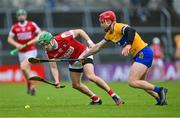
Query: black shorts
[(78, 67)]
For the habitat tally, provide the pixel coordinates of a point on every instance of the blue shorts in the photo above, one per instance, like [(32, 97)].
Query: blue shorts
[(177, 59), (145, 56)]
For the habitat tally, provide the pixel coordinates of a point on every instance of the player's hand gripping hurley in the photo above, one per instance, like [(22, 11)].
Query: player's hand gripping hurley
[(38, 60), (15, 51)]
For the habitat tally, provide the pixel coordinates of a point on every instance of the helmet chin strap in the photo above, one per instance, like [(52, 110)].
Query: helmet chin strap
[(109, 27)]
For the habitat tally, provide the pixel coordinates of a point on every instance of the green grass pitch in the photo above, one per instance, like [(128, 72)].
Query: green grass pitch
[(67, 102)]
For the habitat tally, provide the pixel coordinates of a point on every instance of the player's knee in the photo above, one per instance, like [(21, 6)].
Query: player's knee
[(132, 83), (91, 77), (23, 67), (76, 85)]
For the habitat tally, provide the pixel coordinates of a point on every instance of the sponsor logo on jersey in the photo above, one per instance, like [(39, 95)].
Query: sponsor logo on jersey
[(24, 35), (68, 53), (141, 55)]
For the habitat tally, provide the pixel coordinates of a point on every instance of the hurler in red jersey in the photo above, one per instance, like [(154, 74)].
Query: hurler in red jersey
[(65, 45), (23, 33), (68, 46), (158, 59)]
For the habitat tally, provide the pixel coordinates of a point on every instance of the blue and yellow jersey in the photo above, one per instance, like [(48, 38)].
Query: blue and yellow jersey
[(118, 37)]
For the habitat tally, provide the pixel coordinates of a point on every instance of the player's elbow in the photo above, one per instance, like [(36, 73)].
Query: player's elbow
[(9, 40), (80, 31)]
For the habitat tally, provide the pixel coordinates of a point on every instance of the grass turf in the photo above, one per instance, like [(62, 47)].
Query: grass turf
[(67, 102)]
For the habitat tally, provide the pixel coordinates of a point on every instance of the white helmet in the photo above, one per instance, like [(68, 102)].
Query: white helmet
[(156, 40)]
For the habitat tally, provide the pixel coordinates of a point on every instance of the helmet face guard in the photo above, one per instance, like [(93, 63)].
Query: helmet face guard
[(21, 15), (45, 38), (43, 43), (21, 12)]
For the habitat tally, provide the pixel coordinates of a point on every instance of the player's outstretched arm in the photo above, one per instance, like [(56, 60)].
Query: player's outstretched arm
[(55, 73), (94, 49), (84, 35)]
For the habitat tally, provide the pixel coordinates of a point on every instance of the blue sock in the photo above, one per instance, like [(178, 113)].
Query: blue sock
[(158, 100), (156, 89)]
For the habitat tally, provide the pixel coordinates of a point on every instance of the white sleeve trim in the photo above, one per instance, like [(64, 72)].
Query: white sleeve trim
[(71, 32), (123, 29), (36, 26), (11, 33), (104, 39)]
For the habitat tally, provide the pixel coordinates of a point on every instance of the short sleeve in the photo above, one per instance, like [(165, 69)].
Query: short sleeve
[(119, 27), (37, 29), (105, 39), (11, 32), (71, 32), (68, 34)]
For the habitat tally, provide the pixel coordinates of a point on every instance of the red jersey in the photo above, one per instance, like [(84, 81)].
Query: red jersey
[(68, 47), (157, 51), (24, 33)]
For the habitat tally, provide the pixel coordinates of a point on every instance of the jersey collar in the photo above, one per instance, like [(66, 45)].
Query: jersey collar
[(22, 25)]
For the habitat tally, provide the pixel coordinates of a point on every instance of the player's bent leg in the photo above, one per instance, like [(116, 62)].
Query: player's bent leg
[(153, 94), (89, 72), (150, 92), (76, 84), (136, 73), (25, 67)]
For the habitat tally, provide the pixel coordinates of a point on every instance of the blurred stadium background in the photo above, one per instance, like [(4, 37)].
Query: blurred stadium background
[(151, 18)]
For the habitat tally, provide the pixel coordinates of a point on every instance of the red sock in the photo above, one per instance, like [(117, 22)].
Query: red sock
[(28, 85), (95, 98), (111, 93)]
